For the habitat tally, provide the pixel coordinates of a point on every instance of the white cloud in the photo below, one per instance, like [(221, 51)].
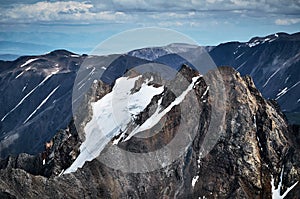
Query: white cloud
[(58, 11), (170, 24), (286, 22), (145, 12), (213, 1), (172, 15), (243, 3), (198, 5)]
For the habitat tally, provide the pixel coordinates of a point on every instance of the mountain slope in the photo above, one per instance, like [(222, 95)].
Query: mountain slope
[(35, 97), (254, 148), (272, 61)]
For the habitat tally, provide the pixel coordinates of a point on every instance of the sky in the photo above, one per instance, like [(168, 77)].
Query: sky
[(35, 27)]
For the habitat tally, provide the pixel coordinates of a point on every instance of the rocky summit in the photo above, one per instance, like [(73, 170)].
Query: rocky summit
[(210, 136)]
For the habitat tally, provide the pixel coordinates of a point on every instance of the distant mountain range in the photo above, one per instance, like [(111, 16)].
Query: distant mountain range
[(36, 91), (272, 61), (8, 57), (21, 48)]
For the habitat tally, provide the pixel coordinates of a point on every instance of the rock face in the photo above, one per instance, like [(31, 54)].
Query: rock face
[(36, 91), (254, 148)]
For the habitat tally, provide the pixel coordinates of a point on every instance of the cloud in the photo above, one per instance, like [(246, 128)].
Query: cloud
[(274, 6), (286, 22), (172, 15), (155, 12), (58, 12)]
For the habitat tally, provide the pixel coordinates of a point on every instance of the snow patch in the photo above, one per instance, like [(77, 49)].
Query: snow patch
[(83, 81), (116, 141), (24, 88), (285, 81), (111, 115), (53, 72), (27, 69), (282, 92), (285, 90), (254, 120), (19, 75), (144, 96), (254, 43), (272, 40), (276, 192), (194, 180), (158, 115), (61, 172), (259, 144), (199, 160), (205, 92), (28, 62)]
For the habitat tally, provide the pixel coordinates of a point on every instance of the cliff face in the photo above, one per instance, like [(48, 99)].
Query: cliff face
[(253, 152)]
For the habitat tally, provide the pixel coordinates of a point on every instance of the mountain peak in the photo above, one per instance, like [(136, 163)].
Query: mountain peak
[(252, 147), (274, 37), (60, 52)]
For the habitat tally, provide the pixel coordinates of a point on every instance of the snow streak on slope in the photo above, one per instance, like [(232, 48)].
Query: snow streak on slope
[(28, 62), (157, 116), (27, 95), (43, 102), (285, 90), (111, 115), (271, 77), (27, 69), (240, 55), (276, 192)]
